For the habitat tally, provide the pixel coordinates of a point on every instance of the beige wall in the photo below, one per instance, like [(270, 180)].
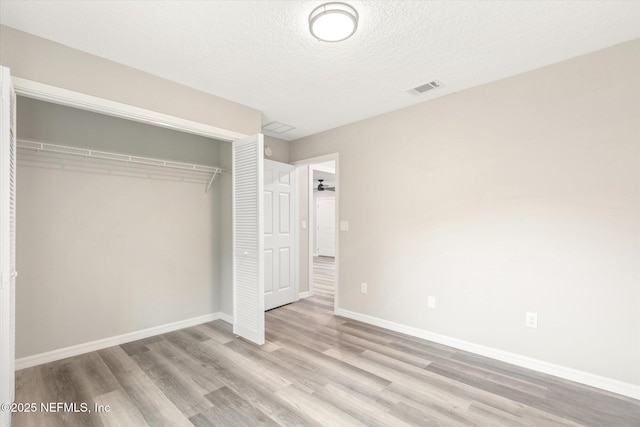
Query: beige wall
[(102, 255), (280, 149), (519, 195), (44, 61)]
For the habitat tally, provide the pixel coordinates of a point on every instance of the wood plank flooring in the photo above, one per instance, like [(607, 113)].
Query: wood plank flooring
[(323, 278), (315, 370)]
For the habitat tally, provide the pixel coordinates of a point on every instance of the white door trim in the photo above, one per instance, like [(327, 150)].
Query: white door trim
[(310, 161), (7, 243), (57, 95)]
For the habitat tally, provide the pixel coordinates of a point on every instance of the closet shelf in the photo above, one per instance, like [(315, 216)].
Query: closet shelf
[(125, 158)]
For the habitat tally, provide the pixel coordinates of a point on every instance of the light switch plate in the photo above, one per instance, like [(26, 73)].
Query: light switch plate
[(532, 320), (431, 301), (344, 225), (303, 225)]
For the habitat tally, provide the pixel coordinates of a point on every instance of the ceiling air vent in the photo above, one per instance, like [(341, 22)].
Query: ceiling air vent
[(277, 127), (425, 87)]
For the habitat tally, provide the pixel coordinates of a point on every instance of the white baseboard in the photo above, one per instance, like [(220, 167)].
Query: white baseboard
[(307, 294), (226, 318), (615, 386), (62, 353)]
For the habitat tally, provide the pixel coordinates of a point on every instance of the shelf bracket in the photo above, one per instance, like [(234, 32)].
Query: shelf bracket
[(211, 180)]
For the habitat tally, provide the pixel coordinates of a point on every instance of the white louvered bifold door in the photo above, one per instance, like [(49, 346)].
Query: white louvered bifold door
[(248, 240), (7, 242)]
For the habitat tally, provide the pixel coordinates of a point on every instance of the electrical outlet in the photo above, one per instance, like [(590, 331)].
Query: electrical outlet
[(532, 320), (363, 288), (431, 301)]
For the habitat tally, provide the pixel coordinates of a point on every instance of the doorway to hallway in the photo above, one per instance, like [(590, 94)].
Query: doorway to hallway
[(319, 190)]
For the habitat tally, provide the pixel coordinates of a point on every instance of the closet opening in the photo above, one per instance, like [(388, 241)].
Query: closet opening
[(121, 227)]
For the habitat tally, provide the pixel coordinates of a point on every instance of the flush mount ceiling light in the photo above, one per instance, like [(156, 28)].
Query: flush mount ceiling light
[(333, 22)]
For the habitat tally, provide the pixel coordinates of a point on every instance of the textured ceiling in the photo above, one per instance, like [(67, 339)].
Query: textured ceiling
[(260, 53)]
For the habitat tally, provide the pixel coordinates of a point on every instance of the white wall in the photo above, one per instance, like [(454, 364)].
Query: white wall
[(99, 254), (519, 195)]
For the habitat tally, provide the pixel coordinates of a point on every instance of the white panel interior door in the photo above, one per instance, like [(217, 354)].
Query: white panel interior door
[(326, 226), (248, 240), (7, 242), (279, 234)]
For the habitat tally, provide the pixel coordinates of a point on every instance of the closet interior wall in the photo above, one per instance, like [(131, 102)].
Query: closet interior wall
[(102, 254)]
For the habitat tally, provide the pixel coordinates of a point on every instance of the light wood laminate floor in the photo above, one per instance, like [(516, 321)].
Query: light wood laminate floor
[(316, 369)]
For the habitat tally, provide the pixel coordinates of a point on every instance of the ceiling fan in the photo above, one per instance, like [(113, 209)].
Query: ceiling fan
[(323, 187)]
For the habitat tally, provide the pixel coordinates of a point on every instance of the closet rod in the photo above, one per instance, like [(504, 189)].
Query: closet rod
[(104, 155)]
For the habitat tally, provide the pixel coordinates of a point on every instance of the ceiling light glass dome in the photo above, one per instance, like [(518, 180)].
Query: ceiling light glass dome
[(333, 22)]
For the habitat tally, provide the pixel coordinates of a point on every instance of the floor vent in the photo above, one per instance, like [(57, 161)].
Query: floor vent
[(425, 87)]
